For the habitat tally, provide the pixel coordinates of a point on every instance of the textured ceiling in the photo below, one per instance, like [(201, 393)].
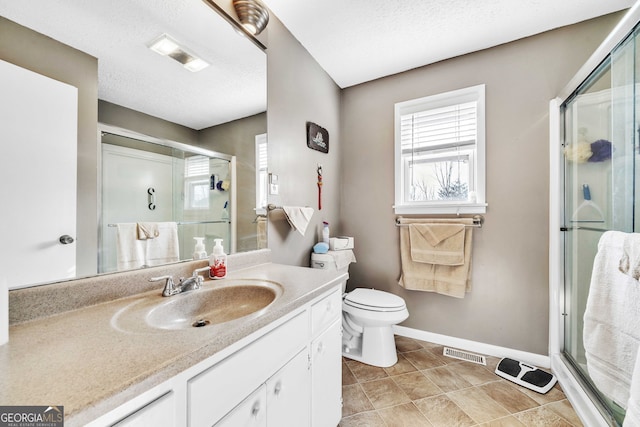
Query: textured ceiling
[(117, 32), (360, 40), (354, 41)]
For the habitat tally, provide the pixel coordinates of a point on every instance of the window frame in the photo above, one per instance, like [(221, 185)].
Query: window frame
[(477, 169)]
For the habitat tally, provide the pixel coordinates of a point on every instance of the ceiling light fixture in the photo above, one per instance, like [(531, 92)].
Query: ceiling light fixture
[(166, 46), (253, 15)]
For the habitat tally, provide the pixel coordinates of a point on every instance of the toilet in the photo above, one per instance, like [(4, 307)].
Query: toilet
[(368, 316)]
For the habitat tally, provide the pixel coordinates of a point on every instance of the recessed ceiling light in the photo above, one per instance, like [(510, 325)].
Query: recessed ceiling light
[(166, 46)]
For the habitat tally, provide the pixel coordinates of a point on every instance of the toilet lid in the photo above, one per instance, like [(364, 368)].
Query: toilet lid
[(371, 299)]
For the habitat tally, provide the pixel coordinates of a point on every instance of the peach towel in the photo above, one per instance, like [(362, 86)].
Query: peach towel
[(441, 244), (450, 280)]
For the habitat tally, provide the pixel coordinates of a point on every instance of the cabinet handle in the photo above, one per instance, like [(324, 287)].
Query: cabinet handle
[(320, 347), (255, 409)]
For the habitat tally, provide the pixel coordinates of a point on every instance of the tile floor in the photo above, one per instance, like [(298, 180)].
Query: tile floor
[(428, 389)]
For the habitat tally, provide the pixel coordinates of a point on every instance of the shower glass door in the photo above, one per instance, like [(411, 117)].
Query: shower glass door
[(599, 140)]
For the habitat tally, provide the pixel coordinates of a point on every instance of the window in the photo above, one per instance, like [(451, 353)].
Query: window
[(261, 174), (196, 182), (439, 153)]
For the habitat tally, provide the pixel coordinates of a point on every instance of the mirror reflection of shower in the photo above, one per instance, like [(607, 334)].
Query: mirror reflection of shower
[(157, 197)]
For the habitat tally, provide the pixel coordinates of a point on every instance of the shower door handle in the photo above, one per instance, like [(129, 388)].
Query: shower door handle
[(152, 198)]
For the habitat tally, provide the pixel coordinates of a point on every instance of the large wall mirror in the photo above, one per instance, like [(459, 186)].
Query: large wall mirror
[(133, 102)]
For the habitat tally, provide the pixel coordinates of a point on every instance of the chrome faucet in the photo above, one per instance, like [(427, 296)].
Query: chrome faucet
[(194, 282), (189, 284)]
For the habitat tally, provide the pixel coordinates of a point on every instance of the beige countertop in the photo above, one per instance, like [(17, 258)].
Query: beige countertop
[(81, 360)]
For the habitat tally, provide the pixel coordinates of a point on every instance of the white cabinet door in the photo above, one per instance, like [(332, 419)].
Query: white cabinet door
[(326, 377), (159, 413), (38, 193), (252, 412), (288, 394)]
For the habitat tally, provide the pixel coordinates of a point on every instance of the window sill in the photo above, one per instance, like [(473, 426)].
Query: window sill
[(453, 208)]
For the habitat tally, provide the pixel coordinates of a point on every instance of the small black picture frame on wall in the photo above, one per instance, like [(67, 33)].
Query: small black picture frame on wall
[(317, 137)]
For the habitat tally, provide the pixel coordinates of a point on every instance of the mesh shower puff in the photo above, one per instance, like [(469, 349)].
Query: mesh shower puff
[(601, 150), (579, 152)]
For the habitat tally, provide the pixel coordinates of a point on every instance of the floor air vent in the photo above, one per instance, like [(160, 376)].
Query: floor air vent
[(464, 355)]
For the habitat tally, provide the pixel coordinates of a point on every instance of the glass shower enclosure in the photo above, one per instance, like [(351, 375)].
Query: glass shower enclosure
[(599, 128)]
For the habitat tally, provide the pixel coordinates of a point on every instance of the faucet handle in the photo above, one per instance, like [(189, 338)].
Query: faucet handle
[(197, 271), (196, 274), (159, 278), (169, 286)]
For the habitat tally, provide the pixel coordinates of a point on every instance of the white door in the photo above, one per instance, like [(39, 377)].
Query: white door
[(38, 192), (326, 377), (288, 395), (252, 412)]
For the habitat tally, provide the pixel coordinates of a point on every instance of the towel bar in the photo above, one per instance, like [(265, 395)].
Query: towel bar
[(187, 223), (478, 220), (272, 207)]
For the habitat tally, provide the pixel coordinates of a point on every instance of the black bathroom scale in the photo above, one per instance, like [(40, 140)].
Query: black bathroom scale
[(526, 375)]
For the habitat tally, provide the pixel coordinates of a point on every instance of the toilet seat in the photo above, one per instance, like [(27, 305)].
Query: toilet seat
[(374, 300)]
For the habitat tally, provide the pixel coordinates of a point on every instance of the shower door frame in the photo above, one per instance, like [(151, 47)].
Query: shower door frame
[(589, 409)]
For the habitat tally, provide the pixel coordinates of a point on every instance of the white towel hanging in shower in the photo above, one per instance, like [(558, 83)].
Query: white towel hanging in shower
[(612, 315)]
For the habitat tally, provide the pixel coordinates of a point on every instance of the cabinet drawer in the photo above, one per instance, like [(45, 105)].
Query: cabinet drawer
[(217, 390), (160, 412), (326, 311)]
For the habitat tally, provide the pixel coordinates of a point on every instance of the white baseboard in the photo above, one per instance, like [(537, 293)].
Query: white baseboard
[(474, 346)]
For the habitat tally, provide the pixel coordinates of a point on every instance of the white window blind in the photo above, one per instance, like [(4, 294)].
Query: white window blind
[(439, 128), (261, 174), (196, 182), (196, 166)]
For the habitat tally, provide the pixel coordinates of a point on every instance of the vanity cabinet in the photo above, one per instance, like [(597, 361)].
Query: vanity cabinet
[(288, 376), (326, 362), (159, 413), (216, 391), (288, 403), (252, 412)]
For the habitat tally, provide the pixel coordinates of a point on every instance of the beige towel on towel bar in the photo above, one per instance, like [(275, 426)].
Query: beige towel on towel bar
[(147, 230), (450, 280), (441, 244)]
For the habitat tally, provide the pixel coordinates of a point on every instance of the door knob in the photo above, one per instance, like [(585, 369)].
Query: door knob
[(66, 239)]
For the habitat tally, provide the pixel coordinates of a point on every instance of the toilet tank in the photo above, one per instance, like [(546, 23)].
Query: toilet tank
[(327, 262)]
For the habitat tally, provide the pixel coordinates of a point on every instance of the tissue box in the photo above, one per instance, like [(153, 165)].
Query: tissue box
[(340, 243)]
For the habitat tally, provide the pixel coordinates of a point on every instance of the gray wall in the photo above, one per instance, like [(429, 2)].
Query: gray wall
[(43, 55), (300, 91), (508, 305), (145, 124)]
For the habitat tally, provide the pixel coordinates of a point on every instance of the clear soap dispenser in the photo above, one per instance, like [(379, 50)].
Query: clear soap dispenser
[(199, 252), (218, 261)]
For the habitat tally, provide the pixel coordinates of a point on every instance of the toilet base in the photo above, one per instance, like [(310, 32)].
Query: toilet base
[(375, 347)]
